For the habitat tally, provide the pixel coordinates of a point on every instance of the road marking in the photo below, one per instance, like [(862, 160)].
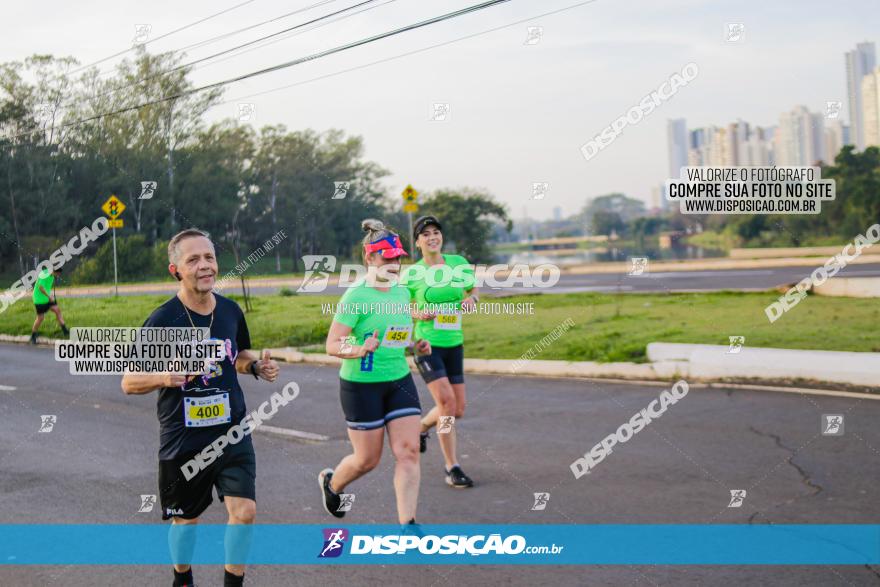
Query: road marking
[(712, 385), (6, 388), (799, 390), (289, 432)]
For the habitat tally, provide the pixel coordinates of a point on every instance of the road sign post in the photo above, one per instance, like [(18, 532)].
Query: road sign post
[(113, 208), (410, 196), (115, 273)]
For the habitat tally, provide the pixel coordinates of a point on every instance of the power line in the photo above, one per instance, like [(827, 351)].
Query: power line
[(210, 40), (168, 34), (230, 50), (408, 53), (314, 56)]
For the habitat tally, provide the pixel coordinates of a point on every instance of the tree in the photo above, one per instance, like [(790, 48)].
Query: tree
[(467, 218), (606, 221)]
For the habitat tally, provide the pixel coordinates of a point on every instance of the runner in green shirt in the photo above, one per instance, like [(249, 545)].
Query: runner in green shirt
[(442, 285), (45, 300), (371, 331)]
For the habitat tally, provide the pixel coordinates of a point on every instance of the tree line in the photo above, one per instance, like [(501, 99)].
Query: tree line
[(60, 159)]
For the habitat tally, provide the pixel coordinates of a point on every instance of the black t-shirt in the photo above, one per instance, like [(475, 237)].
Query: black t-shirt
[(176, 439)]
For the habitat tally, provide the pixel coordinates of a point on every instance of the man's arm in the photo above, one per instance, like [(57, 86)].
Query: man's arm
[(43, 290), (142, 383), (264, 368)]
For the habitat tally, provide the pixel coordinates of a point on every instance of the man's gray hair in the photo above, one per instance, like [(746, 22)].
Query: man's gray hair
[(174, 243)]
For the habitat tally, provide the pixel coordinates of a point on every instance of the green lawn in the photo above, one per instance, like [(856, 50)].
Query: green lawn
[(607, 327)]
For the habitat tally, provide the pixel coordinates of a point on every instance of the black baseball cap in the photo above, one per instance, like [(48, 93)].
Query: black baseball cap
[(422, 222)]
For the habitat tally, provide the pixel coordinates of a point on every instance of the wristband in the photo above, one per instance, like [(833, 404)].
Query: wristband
[(253, 369)]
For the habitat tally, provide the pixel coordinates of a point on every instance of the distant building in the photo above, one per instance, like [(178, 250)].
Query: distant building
[(801, 137), (676, 145), (836, 136), (859, 63), (871, 108), (557, 213)]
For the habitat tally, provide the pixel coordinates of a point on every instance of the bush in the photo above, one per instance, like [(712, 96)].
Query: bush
[(136, 261)]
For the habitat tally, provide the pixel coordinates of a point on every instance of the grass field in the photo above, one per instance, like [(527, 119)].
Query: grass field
[(607, 327)]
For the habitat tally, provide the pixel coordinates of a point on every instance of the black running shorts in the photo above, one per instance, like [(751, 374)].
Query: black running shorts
[(43, 308), (234, 474), (372, 405), (442, 362)]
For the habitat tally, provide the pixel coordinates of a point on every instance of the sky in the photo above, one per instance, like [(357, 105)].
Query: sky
[(518, 113)]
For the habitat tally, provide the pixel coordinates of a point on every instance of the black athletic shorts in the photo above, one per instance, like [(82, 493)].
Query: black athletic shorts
[(372, 405), (234, 473), (43, 308), (442, 362)]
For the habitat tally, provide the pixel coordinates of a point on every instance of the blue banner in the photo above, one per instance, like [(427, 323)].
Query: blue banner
[(291, 544)]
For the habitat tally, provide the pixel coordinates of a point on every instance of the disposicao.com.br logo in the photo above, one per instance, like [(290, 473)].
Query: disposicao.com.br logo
[(429, 544)]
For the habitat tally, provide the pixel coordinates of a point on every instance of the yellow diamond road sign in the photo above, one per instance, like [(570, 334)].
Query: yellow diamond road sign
[(409, 194), (113, 207)]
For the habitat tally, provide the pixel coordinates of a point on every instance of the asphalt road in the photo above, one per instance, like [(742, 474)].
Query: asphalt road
[(659, 281), (518, 437)]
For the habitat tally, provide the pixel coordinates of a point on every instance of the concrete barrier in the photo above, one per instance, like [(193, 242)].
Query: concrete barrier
[(850, 287), (669, 361), (777, 252), (713, 362)]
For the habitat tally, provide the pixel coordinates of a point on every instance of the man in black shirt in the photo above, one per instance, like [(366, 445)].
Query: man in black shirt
[(184, 429)]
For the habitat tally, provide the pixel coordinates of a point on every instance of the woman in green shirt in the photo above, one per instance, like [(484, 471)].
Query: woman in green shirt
[(442, 286), (370, 332)]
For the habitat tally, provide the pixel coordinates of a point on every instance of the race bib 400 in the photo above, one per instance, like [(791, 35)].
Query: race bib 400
[(206, 411)]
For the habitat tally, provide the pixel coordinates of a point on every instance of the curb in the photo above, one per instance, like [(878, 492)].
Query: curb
[(666, 368)]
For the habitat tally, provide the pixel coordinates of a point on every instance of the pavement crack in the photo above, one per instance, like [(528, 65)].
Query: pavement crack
[(805, 476), (873, 570)]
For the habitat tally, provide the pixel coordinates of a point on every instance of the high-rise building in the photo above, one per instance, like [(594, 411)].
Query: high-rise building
[(871, 108), (676, 145), (859, 62), (836, 136), (800, 140)]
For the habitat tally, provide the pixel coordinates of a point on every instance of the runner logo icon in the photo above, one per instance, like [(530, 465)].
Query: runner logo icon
[(318, 270), (736, 344), (340, 190), (147, 503), (737, 496), (334, 541), (541, 500), (346, 500), (47, 422), (832, 424), (445, 425)]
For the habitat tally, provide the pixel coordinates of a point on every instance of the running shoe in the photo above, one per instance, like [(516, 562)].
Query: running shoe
[(331, 499), (412, 528), (33, 338), (455, 477), (65, 330), (423, 441)]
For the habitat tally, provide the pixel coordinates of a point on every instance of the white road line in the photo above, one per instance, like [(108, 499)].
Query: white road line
[(798, 390), (6, 388), (292, 433)]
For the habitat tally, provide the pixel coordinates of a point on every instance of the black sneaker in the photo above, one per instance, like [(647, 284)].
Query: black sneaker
[(33, 338), (65, 330), (423, 441), (331, 499), (455, 477)]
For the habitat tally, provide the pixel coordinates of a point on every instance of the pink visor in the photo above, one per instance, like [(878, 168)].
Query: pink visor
[(390, 246)]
